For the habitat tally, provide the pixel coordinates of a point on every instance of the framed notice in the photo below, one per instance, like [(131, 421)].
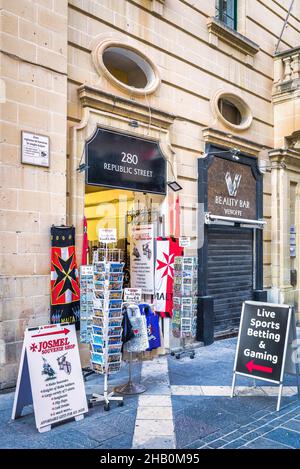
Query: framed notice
[(35, 149)]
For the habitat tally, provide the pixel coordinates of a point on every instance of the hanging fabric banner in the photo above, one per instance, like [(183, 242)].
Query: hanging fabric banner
[(65, 292), (167, 249)]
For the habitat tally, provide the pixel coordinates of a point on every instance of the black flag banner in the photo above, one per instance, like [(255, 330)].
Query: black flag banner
[(65, 293)]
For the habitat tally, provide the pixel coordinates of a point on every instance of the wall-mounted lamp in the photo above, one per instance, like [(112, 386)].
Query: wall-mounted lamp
[(174, 185), (264, 167), (133, 123), (233, 151), (82, 167)]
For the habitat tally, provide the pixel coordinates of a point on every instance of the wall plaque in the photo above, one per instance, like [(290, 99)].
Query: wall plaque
[(35, 149)]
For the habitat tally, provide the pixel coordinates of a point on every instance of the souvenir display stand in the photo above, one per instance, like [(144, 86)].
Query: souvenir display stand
[(138, 343), (130, 388), (86, 308), (106, 332), (184, 303)]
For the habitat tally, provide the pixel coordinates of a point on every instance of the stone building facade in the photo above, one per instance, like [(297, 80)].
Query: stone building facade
[(64, 73)]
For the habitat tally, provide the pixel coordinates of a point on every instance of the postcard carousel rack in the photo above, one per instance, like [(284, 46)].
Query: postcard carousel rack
[(184, 303), (105, 327)]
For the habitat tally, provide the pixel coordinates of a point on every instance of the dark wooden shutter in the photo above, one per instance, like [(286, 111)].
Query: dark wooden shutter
[(230, 274)]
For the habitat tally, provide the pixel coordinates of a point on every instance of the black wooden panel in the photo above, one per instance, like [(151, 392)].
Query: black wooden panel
[(229, 273)]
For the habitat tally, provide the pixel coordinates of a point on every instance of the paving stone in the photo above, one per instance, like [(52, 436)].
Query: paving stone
[(100, 432), (155, 427), (286, 437), (217, 444), (154, 401), (189, 428), (155, 442), (153, 389), (123, 441), (265, 443), (71, 439), (197, 444), (157, 413), (293, 425), (234, 444)]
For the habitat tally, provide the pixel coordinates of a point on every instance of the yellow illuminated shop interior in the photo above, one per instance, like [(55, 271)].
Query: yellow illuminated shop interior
[(107, 208)]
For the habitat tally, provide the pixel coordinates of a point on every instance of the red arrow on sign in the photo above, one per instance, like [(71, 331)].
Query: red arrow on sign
[(252, 366), (63, 331)]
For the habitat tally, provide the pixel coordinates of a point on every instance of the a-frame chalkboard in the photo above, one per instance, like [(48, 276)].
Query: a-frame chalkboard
[(267, 344)]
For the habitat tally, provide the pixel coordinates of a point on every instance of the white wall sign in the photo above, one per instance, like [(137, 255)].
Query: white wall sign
[(142, 259), (35, 149), (50, 376), (184, 241), (107, 235), (132, 295)]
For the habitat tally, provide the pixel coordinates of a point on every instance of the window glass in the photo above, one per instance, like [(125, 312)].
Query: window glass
[(226, 12), (229, 111)]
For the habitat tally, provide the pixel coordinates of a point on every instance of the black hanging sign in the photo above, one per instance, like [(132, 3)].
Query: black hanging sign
[(267, 332), (123, 161)]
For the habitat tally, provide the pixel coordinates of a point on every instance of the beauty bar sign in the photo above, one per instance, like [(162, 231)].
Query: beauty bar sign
[(123, 161), (231, 189)]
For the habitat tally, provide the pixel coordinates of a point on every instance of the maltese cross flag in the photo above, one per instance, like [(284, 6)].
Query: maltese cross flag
[(167, 250)]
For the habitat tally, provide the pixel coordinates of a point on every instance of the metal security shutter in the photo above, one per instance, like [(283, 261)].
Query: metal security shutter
[(229, 274)]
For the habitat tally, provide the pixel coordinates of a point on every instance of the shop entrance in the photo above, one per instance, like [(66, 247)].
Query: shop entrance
[(122, 210), (229, 274), (230, 258)]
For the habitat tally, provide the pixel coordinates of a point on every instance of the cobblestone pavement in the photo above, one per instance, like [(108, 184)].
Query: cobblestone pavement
[(99, 429), (187, 407), (249, 420)]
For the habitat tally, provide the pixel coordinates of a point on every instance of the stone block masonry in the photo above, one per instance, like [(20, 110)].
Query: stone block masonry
[(34, 99)]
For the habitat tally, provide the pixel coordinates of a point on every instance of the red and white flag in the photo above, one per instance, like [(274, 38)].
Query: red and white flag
[(167, 250)]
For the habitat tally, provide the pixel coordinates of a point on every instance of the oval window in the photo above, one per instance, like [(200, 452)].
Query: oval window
[(128, 68), (229, 111), (232, 110)]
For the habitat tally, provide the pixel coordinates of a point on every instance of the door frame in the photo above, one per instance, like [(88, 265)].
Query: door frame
[(203, 165)]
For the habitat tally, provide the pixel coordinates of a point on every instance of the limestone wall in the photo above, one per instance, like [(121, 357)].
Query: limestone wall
[(34, 79)]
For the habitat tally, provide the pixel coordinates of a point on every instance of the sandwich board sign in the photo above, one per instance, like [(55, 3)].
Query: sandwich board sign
[(266, 339), (50, 376)]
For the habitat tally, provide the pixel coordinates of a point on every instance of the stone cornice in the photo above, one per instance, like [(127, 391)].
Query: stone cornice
[(225, 139), (288, 156), (235, 39), (93, 97), (287, 53)]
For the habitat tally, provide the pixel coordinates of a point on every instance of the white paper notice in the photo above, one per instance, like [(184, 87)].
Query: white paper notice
[(142, 259)]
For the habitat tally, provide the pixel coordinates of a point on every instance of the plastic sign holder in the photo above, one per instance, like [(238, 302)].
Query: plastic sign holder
[(267, 345), (50, 376)]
